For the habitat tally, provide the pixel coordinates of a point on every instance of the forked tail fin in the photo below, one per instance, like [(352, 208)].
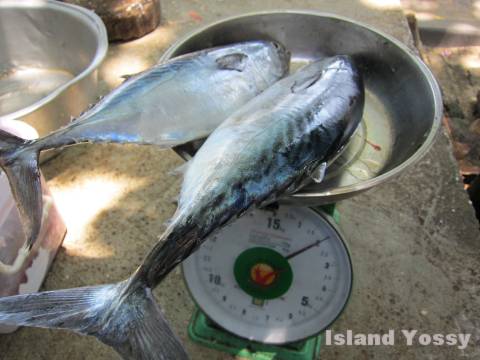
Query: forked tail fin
[(129, 320), (20, 163)]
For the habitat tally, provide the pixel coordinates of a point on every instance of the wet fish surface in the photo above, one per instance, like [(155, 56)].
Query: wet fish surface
[(167, 105), (264, 150)]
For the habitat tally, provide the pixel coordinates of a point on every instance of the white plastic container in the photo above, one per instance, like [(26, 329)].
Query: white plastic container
[(31, 275)]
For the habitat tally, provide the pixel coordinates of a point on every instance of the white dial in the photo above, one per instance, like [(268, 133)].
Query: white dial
[(272, 276)]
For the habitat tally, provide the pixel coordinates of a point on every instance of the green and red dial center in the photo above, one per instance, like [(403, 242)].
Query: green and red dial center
[(263, 273)]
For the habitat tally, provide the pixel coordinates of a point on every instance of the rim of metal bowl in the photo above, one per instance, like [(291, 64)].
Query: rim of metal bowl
[(432, 82), (90, 19)]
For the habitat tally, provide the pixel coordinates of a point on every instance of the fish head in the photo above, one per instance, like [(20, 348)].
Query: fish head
[(335, 84), (326, 73), (262, 62), (270, 58)]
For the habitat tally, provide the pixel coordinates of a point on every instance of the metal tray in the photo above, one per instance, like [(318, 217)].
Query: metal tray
[(49, 52), (403, 106)]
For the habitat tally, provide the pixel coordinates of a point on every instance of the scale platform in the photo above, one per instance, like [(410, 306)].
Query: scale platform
[(205, 332), (267, 285)]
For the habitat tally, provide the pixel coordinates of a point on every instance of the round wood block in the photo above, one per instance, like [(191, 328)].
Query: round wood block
[(124, 19)]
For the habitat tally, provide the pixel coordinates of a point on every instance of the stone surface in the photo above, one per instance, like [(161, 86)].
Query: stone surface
[(451, 47), (459, 77), (414, 241)]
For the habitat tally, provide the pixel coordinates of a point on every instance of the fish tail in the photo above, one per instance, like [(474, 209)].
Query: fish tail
[(19, 161), (125, 317)]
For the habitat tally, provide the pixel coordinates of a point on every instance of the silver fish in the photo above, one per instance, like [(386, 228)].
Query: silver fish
[(167, 105), (263, 150)]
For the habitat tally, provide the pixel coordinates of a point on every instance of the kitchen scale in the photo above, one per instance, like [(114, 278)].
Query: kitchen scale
[(268, 284)]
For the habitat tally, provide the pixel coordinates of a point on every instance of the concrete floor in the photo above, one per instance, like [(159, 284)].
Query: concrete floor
[(414, 241)]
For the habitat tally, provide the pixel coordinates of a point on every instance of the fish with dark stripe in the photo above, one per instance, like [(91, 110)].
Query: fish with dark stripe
[(264, 150), (167, 105)]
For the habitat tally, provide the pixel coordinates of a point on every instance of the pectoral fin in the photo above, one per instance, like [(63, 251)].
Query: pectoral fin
[(236, 62), (180, 170), (126, 77), (303, 84), (318, 174)]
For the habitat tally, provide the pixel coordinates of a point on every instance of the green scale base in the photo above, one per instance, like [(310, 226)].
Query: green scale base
[(203, 331)]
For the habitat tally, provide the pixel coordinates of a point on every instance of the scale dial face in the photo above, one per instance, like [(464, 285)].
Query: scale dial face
[(272, 276)]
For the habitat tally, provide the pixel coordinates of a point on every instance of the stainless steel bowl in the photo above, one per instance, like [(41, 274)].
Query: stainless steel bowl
[(403, 105), (48, 55)]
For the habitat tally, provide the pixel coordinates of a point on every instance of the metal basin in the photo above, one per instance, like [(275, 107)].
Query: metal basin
[(403, 106), (48, 55)]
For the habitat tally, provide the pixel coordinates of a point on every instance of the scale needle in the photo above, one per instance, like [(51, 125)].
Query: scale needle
[(298, 252)]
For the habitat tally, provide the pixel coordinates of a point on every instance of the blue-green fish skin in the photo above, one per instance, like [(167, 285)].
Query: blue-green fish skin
[(167, 105), (266, 148), (261, 151), (181, 100), (274, 141)]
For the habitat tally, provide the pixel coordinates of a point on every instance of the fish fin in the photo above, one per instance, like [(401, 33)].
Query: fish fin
[(8, 140), (73, 309), (266, 203), (318, 174), (129, 320), (127, 76), (180, 170), (236, 61), (20, 164), (271, 205), (303, 84), (168, 222)]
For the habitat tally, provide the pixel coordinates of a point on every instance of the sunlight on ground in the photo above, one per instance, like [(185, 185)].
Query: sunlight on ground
[(470, 61), (425, 5), (426, 16), (81, 203), (382, 4), (125, 64), (464, 28), (476, 9), (130, 56)]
